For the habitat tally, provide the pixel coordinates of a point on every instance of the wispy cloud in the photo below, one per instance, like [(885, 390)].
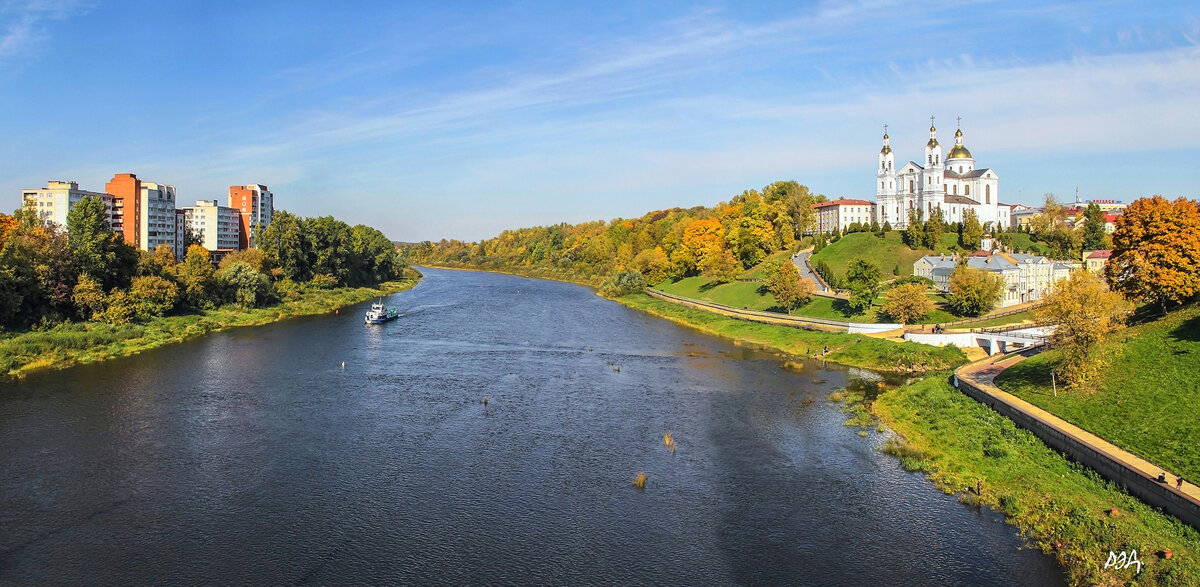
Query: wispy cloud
[(21, 23)]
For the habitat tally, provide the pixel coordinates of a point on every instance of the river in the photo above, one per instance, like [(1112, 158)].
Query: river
[(253, 456)]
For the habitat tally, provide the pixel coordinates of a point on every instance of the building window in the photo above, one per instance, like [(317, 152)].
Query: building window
[(967, 189), (956, 189), (987, 194)]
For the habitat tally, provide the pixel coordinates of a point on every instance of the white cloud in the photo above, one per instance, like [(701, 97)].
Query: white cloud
[(24, 20)]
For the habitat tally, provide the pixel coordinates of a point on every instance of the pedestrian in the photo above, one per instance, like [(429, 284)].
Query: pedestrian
[(1162, 477), (1179, 482)]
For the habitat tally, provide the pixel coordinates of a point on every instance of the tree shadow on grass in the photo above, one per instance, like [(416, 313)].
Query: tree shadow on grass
[(709, 285), (844, 308), (1189, 331)]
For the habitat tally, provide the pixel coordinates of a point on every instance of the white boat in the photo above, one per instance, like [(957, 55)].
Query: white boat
[(378, 314)]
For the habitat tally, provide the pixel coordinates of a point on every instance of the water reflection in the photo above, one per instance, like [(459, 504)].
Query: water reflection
[(252, 456)]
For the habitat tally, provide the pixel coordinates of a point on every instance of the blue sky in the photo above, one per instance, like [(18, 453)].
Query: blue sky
[(460, 119)]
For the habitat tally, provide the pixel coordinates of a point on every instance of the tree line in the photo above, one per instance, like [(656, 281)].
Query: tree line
[(719, 242), (52, 274)]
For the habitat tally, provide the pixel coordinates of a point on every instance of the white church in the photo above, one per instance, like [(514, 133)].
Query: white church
[(952, 184)]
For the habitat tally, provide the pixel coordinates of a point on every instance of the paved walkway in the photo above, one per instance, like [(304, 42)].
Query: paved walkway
[(981, 375), (800, 260)]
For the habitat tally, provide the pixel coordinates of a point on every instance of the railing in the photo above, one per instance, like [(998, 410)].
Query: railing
[(992, 316), (773, 317)]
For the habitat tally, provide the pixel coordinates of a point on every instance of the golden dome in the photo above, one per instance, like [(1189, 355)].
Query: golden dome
[(958, 133), (958, 152), (886, 149)]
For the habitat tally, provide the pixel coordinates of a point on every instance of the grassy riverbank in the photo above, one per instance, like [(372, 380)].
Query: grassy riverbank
[(86, 342), (1147, 398), (848, 349), (966, 448)]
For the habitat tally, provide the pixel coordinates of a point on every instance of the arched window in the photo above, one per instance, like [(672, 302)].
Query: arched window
[(889, 165), (987, 194), (956, 189), (882, 165), (967, 190), (910, 186), (930, 158), (881, 185)]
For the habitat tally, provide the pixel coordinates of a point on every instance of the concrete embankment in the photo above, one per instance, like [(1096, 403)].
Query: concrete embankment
[(775, 318), (1135, 474)]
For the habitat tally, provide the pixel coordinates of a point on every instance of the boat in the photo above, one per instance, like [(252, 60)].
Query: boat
[(378, 314)]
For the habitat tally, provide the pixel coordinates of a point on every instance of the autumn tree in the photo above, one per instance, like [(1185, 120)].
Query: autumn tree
[(195, 275), (1156, 251), (653, 264), (862, 278), (907, 303), (974, 292), (152, 296), (783, 281), (1083, 311)]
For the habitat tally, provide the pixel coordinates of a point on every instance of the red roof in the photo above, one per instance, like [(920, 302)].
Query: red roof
[(1100, 254), (843, 203)]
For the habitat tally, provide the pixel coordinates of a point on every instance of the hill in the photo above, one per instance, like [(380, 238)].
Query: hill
[(1147, 399), (889, 252)]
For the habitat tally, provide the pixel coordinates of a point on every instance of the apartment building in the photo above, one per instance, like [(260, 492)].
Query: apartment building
[(1026, 277), (840, 214), (53, 202), (256, 204), (218, 227)]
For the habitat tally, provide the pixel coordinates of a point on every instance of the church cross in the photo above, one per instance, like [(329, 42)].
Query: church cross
[(930, 121), (960, 122), (885, 129)]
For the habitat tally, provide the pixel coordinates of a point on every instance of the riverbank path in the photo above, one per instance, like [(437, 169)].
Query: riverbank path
[(800, 260), (981, 375)]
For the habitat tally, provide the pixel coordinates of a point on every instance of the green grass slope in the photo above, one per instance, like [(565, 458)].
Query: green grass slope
[(1064, 508), (1147, 398), (889, 252)]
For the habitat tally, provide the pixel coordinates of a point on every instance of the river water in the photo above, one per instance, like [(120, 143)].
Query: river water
[(253, 456)]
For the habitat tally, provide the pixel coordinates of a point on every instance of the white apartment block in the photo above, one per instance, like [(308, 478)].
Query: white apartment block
[(1026, 277), (158, 216), (840, 214), (217, 226), (53, 202)]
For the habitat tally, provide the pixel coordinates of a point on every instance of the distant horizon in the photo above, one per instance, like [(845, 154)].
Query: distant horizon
[(462, 121)]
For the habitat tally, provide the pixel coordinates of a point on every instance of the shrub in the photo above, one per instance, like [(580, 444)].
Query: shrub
[(623, 283)]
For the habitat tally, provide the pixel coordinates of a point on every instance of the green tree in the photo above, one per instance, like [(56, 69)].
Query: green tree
[(914, 233), (974, 292), (96, 249), (1083, 311), (331, 247), (862, 278), (624, 283), (286, 247), (1094, 236), (245, 286), (935, 227), (971, 234), (907, 302)]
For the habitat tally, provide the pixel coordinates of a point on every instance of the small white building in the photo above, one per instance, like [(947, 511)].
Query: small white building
[(1026, 277), (217, 226), (840, 214), (53, 202)]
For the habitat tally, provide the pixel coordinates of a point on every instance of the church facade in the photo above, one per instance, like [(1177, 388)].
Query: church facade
[(952, 184)]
